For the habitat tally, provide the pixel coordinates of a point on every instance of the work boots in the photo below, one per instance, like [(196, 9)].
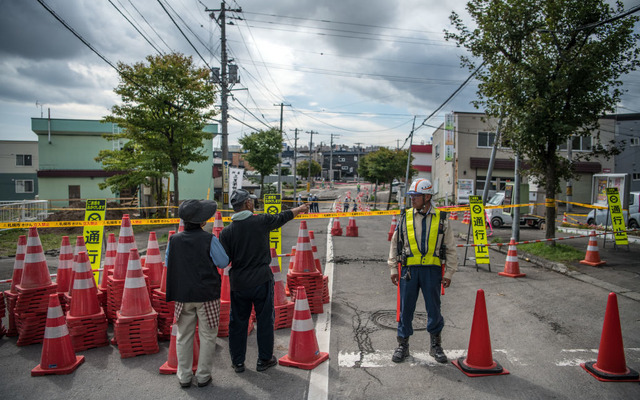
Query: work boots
[(402, 351), (436, 349)]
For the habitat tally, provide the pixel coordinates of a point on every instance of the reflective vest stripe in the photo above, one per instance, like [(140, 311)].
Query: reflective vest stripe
[(416, 257)]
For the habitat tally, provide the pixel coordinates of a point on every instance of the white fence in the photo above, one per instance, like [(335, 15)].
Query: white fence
[(24, 210)]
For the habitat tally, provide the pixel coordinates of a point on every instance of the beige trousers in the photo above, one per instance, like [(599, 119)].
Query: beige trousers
[(191, 313)]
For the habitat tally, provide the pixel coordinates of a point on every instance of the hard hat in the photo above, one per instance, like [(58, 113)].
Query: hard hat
[(420, 186)]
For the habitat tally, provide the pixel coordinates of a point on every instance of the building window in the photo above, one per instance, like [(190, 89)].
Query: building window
[(341, 159), (578, 143), (486, 139), (345, 167), (437, 151), (355, 158), (634, 141), (23, 159), (635, 176), (24, 186), (118, 144)]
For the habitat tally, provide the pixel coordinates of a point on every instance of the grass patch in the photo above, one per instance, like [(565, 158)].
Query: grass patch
[(9, 241), (560, 252)]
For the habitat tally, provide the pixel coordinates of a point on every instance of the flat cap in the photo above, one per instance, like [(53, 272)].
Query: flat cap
[(197, 211), (239, 196)]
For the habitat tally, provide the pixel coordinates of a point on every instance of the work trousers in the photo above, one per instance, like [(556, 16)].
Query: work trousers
[(428, 280), (261, 298), (190, 314)]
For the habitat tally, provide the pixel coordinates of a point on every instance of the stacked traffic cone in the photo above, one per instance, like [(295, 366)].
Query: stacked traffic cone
[(466, 219), (479, 360), (58, 357), (336, 230), (352, 229), (164, 308), (303, 345), (181, 226), (3, 330), (115, 282), (136, 327), (86, 319), (11, 295), (511, 265), (65, 271), (109, 261), (394, 223), (225, 302), (453, 216), (305, 272), (171, 366), (611, 365), (593, 256), (218, 225), (325, 279), (292, 261), (283, 307), (33, 293), (65, 299), (153, 262)]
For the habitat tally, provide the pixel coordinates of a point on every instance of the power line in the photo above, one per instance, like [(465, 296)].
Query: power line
[(151, 26), (135, 27)]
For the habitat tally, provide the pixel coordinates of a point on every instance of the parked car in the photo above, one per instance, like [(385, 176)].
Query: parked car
[(634, 221), (499, 217), (598, 216)]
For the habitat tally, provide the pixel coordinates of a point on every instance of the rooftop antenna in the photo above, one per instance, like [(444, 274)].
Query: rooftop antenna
[(40, 105)]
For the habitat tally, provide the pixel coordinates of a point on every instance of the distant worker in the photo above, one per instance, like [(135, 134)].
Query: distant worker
[(316, 208), (299, 200), (355, 206), (423, 237), (345, 207), (358, 188)]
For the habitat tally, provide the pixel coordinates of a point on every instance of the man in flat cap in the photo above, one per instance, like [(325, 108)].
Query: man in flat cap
[(246, 241), (193, 282)]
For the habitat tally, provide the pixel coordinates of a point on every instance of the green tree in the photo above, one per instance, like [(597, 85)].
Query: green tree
[(302, 169), (385, 165), (262, 149), (552, 68), (166, 103)]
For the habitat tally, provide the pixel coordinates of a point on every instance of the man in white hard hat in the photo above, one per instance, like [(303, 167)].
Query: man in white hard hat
[(425, 238)]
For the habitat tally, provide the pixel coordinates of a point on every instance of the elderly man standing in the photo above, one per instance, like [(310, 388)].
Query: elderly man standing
[(193, 282), (246, 241), (424, 238)]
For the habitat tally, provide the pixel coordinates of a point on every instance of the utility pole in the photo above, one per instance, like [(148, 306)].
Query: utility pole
[(569, 181), (358, 165), (295, 158), (310, 147), (280, 152), (224, 80), (331, 160)]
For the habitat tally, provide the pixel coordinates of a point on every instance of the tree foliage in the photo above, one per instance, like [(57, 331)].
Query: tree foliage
[(166, 102), (385, 165), (302, 168), (262, 149), (552, 69)]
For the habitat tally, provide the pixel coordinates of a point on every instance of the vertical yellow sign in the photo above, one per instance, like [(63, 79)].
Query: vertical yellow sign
[(617, 218), (273, 205), (479, 230), (95, 211)]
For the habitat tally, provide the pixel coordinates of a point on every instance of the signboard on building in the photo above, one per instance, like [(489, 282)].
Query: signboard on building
[(449, 137), (235, 180)]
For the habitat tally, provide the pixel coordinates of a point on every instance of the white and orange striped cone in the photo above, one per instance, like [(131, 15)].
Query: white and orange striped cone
[(18, 263), (58, 357), (303, 345), (304, 262), (394, 223), (564, 218), (126, 242), (109, 260), (593, 255), (453, 216), (181, 226), (135, 298), (336, 230), (511, 265), (163, 282), (282, 306), (218, 225), (352, 229), (85, 294), (36, 272), (171, 366), (467, 217), (79, 247), (325, 279), (65, 265), (225, 289), (314, 249), (153, 261)]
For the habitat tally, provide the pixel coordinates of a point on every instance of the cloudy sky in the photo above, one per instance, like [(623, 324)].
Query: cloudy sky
[(359, 70)]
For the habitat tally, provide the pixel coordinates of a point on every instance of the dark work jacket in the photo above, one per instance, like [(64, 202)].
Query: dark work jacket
[(191, 275), (247, 245)]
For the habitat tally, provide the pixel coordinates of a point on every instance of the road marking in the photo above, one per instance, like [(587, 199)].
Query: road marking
[(319, 376)]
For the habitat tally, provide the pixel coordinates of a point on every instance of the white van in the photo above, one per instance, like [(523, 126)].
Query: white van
[(500, 217), (598, 216)]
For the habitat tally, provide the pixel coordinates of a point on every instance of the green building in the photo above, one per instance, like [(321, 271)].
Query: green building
[(67, 169)]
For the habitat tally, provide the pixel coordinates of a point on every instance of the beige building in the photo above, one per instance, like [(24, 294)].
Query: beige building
[(462, 150)]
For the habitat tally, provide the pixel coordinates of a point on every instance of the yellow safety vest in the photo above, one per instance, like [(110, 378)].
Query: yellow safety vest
[(416, 257)]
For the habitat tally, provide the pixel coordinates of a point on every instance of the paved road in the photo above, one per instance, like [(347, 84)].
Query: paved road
[(542, 326)]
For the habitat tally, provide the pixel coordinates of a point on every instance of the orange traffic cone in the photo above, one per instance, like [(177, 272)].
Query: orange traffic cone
[(394, 223), (153, 262), (225, 289), (303, 345), (65, 265), (304, 262), (314, 250), (511, 265), (126, 241), (352, 229), (181, 226), (18, 263), (593, 256), (282, 306), (35, 273), (109, 260), (163, 283), (171, 366), (218, 225), (336, 230), (479, 360), (611, 365), (58, 356), (135, 299), (85, 294), (466, 219), (564, 218)]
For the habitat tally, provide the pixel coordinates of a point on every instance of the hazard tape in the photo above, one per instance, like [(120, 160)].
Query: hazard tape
[(541, 240)]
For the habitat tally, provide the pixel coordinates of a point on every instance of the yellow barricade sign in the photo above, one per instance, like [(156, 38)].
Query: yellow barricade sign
[(479, 230), (95, 211), (273, 205), (617, 218)]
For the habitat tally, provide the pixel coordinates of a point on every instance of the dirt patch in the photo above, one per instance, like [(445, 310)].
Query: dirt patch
[(75, 212)]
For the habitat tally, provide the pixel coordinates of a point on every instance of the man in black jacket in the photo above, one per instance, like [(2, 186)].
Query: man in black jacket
[(193, 282), (246, 241)]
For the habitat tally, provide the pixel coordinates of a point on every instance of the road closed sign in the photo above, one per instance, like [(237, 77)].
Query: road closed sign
[(617, 217), (273, 205), (479, 230)]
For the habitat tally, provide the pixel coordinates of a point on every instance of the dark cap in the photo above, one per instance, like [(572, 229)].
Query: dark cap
[(197, 211), (239, 196)]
